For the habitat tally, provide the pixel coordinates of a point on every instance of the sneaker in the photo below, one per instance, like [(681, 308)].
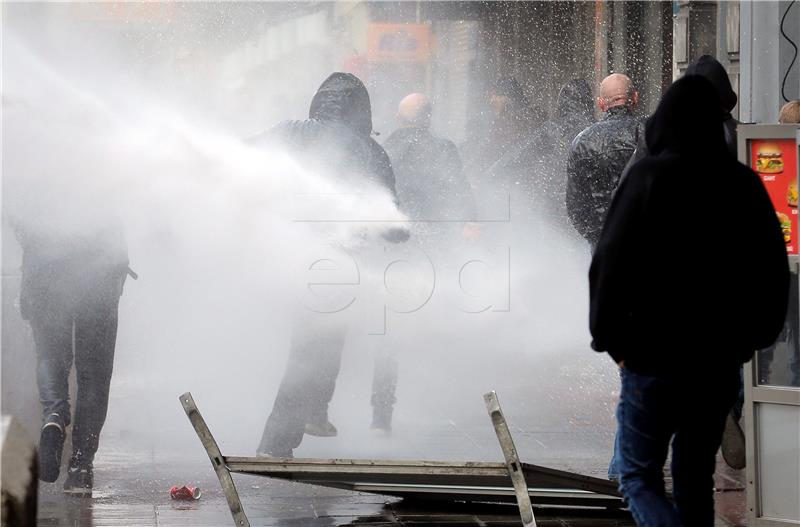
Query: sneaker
[(321, 429), (51, 445), (80, 480), (733, 449)]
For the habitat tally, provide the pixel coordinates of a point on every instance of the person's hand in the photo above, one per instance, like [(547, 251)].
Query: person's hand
[(471, 232), (621, 364), (396, 234)]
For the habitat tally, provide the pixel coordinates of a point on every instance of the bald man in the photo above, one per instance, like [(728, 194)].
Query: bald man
[(434, 194), (428, 173), (599, 154)]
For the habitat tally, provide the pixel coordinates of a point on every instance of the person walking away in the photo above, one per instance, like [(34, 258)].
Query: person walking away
[(72, 279), (598, 156), (538, 165), (437, 199), (595, 163), (677, 316)]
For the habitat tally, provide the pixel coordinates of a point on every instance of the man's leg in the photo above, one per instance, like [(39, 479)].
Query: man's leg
[(645, 425), (613, 465), (95, 343), (384, 387), (52, 334), (695, 446), (328, 358), (312, 356)]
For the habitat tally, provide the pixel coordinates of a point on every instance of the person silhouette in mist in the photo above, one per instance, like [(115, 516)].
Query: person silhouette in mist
[(335, 140), (70, 290)]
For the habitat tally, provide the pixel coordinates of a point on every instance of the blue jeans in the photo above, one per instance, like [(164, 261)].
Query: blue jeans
[(613, 465), (691, 414)]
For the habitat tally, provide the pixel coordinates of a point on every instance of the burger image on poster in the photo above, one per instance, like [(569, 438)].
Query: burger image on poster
[(791, 194), (769, 159), (786, 227)]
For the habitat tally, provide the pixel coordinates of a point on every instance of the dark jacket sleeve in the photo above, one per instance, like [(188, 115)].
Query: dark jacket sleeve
[(767, 257), (381, 167), (612, 275)]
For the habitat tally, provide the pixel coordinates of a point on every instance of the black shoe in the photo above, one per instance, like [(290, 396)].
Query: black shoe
[(321, 429), (80, 480), (51, 444), (733, 449)]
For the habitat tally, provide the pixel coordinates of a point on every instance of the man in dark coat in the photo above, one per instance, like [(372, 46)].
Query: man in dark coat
[(511, 120), (670, 313), (733, 444), (538, 165), (430, 180), (436, 197), (337, 140), (598, 156), (71, 285)]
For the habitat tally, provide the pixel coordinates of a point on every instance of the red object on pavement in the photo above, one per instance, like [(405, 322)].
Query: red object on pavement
[(184, 493)]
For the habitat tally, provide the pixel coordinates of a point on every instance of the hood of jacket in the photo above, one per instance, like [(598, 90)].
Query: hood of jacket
[(688, 119), (344, 99), (710, 68), (575, 99)]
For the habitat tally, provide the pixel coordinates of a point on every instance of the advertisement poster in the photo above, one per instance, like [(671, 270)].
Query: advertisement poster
[(398, 42), (775, 160)]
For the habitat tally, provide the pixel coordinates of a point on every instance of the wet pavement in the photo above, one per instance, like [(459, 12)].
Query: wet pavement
[(561, 416)]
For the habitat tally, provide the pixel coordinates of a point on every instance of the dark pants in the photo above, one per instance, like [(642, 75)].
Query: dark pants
[(308, 383), (690, 413), (94, 326), (384, 381)]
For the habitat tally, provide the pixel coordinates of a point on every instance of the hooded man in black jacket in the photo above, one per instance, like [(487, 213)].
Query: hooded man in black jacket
[(733, 445), (673, 312), (599, 154), (538, 165), (335, 140)]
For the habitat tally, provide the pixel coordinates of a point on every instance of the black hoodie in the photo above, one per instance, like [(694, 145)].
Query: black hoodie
[(710, 69), (690, 274), (538, 165), (336, 138)]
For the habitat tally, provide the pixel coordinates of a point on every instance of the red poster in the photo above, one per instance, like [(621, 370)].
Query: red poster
[(775, 160)]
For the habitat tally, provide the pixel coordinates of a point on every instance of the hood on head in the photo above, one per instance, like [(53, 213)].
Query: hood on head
[(688, 119), (710, 68), (343, 98), (575, 99)]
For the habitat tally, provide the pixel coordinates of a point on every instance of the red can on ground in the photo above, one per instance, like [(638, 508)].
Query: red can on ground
[(184, 493)]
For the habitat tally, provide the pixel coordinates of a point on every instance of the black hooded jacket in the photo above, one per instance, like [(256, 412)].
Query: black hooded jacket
[(539, 163), (690, 274), (594, 166), (709, 68), (336, 138)]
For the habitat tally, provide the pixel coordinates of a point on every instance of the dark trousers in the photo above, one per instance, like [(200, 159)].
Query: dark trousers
[(384, 380), (691, 414), (94, 326), (307, 386)]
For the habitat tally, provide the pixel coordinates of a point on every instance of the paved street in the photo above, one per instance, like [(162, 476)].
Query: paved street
[(552, 425)]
